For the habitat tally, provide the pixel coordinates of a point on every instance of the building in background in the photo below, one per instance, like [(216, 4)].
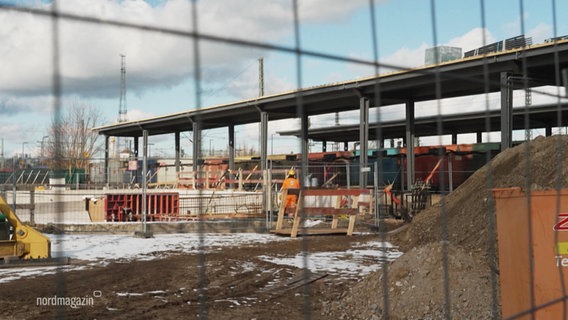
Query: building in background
[(441, 54)]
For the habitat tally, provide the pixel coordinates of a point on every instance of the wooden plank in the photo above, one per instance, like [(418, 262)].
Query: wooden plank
[(334, 222), (313, 231), (334, 192), (280, 219), (295, 227), (195, 217), (297, 218), (351, 225), (328, 211)]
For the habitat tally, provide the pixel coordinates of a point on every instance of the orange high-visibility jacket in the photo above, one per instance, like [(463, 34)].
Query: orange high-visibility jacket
[(291, 183)]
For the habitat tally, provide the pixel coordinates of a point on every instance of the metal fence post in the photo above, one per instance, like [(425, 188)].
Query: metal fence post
[(32, 206)]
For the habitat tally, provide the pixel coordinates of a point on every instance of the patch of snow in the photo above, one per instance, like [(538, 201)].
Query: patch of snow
[(11, 274), (94, 247), (346, 264), (311, 223), (98, 249)]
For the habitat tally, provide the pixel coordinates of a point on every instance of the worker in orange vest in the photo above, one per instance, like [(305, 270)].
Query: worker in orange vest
[(291, 183)]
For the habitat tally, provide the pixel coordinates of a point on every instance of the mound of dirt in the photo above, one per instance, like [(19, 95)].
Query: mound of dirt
[(468, 212), (415, 288), (462, 225)]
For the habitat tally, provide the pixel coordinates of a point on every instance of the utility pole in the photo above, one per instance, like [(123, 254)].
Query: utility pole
[(260, 77), (2, 153), (122, 101)]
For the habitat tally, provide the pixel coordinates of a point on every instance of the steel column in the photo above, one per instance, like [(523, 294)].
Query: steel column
[(136, 153), (363, 141), (231, 129), (410, 134), (196, 147), (305, 151), (263, 158), (107, 172), (506, 112), (177, 150)]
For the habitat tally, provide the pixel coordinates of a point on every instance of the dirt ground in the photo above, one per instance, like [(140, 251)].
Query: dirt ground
[(169, 288), (449, 268)]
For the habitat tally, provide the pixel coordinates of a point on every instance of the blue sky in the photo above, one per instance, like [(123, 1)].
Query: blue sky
[(160, 67)]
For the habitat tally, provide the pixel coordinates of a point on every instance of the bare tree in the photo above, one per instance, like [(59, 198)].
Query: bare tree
[(76, 142)]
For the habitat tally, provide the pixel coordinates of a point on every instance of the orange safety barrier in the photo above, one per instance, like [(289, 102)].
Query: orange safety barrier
[(327, 202)]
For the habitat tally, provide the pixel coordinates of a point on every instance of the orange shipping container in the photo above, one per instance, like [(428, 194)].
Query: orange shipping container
[(533, 252)]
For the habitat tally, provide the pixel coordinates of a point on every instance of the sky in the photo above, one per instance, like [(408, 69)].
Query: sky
[(160, 73)]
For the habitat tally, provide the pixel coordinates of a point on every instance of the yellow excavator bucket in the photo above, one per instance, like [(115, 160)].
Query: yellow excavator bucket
[(24, 242)]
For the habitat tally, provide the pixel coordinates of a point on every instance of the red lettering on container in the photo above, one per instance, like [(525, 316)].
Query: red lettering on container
[(562, 224)]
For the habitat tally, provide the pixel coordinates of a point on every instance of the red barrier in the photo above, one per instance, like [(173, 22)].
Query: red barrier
[(128, 206)]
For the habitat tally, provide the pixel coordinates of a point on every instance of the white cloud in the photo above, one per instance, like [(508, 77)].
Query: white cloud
[(472, 39), (137, 114), (412, 57), (328, 10), (89, 53), (14, 105), (244, 84), (513, 28), (541, 32), (404, 58)]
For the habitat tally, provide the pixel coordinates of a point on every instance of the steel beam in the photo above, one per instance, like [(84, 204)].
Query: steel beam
[(410, 135), (196, 146), (363, 141), (506, 111)]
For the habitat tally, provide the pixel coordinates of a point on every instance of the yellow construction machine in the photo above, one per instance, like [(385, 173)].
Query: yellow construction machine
[(20, 244)]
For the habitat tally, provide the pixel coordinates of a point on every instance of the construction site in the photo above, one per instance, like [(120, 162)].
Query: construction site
[(171, 285), (377, 224)]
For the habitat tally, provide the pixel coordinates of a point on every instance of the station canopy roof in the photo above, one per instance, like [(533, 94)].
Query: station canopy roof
[(532, 66), (539, 116)]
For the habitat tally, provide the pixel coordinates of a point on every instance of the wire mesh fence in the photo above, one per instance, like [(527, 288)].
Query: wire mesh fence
[(476, 246)]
